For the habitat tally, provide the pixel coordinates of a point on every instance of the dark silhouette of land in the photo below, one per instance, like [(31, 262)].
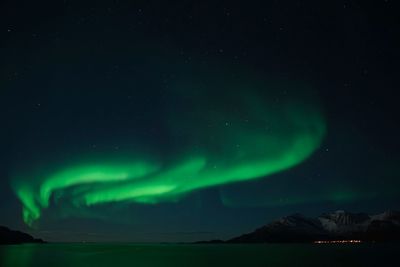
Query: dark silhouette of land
[(339, 225), (296, 228), (8, 237)]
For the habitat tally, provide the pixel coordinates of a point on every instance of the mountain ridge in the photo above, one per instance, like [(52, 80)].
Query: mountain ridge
[(9, 237), (338, 225)]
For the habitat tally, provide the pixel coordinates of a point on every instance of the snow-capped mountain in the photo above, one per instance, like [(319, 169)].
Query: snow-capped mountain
[(330, 226), (344, 222), (287, 229)]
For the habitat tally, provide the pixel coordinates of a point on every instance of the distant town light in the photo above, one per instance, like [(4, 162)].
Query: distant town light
[(336, 241)]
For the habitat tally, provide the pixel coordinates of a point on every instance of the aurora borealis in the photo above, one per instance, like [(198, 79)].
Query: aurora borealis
[(235, 147), (167, 121)]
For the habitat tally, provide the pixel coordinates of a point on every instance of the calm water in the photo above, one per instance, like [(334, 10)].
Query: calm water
[(199, 255)]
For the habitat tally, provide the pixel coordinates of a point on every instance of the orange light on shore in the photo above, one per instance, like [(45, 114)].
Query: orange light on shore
[(336, 241)]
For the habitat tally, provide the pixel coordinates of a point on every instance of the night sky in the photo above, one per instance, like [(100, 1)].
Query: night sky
[(149, 121)]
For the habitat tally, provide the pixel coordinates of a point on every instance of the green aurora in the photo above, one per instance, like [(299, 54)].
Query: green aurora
[(258, 130)]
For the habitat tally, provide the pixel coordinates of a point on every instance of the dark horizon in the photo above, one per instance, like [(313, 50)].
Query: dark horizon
[(328, 228), (178, 122)]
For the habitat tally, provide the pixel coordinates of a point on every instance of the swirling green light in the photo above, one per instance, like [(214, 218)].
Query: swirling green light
[(253, 138)]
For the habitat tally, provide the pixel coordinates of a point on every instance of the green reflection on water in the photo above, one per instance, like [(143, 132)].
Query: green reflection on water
[(97, 255)]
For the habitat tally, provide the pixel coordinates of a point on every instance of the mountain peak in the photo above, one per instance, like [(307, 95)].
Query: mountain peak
[(338, 225), (8, 236)]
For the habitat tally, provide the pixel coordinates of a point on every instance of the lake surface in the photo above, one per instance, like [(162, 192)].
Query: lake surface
[(199, 255)]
